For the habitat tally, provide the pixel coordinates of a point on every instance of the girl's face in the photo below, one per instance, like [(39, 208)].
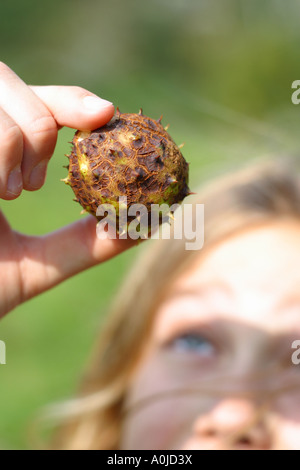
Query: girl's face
[(218, 371)]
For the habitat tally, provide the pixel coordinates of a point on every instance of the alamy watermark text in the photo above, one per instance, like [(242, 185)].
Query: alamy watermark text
[(135, 221), (2, 353)]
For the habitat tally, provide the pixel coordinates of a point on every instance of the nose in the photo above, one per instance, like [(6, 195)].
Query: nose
[(233, 424)]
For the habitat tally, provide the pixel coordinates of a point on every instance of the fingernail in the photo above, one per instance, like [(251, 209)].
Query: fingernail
[(94, 103), (38, 175), (14, 182)]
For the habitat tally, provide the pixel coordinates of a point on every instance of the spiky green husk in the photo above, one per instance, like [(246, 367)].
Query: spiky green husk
[(132, 156)]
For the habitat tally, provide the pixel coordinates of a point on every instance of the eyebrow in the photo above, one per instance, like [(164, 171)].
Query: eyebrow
[(202, 289)]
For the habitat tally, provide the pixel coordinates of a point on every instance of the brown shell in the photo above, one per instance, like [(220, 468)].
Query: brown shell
[(133, 156)]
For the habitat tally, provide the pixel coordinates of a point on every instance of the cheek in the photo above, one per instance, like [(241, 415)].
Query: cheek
[(289, 436), (152, 418), (155, 427), (158, 416), (287, 424)]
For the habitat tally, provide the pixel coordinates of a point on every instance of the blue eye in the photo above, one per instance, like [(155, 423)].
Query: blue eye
[(194, 343)]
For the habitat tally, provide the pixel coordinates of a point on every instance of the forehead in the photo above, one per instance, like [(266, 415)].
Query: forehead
[(255, 253), (252, 272)]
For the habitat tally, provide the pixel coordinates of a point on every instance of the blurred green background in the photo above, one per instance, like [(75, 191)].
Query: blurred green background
[(220, 72)]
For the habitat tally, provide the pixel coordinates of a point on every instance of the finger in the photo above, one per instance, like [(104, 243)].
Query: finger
[(36, 122), (11, 153), (75, 107), (54, 258)]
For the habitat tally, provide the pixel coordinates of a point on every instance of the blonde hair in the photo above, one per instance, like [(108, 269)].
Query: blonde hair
[(262, 192)]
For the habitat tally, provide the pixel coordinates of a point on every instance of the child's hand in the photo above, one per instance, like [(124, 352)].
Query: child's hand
[(29, 120)]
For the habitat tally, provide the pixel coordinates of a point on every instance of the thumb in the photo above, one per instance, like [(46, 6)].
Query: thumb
[(75, 107), (53, 258)]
